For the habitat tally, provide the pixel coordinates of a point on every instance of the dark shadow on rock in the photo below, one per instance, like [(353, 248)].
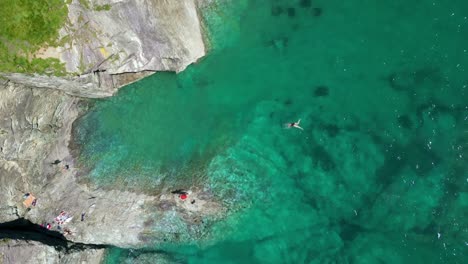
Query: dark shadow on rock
[(22, 229)]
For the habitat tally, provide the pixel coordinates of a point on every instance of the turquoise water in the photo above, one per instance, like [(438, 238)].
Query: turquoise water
[(379, 174)]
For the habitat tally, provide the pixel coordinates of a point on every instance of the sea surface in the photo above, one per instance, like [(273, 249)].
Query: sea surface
[(378, 175)]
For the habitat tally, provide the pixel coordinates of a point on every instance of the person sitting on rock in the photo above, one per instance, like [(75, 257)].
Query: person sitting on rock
[(67, 231)]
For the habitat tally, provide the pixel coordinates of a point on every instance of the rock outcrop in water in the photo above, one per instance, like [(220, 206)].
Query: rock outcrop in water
[(107, 49), (105, 38)]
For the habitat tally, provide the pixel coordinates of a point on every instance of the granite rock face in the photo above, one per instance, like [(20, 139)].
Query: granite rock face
[(125, 41), (35, 130), (106, 38), (131, 36), (31, 252)]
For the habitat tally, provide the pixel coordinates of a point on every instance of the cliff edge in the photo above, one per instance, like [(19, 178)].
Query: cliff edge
[(104, 42), (105, 45)]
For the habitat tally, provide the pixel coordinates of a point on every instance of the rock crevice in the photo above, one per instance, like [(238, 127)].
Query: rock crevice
[(23, 229)]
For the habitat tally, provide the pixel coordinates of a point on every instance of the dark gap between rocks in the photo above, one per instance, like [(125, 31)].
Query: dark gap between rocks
[(22, 229)]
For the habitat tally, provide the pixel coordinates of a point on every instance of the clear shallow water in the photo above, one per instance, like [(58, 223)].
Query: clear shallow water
[(378, 174)]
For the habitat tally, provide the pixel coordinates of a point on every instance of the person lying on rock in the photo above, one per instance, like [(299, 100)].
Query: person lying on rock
[(179, 191)]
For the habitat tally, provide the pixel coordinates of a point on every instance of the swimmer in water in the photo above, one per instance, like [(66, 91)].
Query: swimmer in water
[(294, 124)]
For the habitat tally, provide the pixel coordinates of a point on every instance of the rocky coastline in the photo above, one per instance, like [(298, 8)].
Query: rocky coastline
[(36, 119)]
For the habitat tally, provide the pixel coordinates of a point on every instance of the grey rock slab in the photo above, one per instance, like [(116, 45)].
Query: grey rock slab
[(133, 37), (35, 130), (32, 252)]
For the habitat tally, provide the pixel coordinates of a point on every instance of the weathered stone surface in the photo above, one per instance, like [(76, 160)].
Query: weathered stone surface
[(106, 50), (93, 85), (82, 86), (35, 129), (31, 252), (134, 37)]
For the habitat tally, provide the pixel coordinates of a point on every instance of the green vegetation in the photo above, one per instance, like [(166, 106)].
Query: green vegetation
[(5, 241), (87, 5), (84, 3), (26, 26), (105, 7)]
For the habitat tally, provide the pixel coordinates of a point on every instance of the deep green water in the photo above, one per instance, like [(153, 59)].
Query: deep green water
[(379, 174)]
